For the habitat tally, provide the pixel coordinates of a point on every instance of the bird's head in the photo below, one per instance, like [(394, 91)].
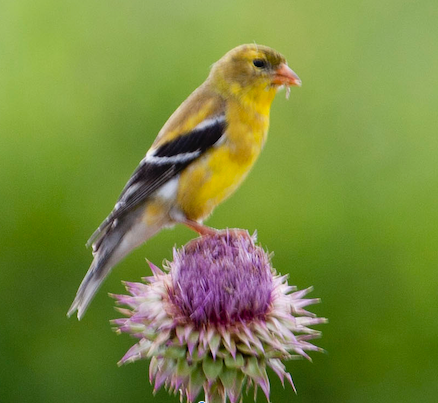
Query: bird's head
[(252, 71)]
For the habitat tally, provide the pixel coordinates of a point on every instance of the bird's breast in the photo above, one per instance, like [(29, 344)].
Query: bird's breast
[(217, 174)]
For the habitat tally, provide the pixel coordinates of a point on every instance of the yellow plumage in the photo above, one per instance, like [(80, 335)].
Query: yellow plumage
[(214, 177), (199, 158)]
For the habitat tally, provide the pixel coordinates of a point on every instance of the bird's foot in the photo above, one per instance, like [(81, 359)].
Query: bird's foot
[(201, 229), (204, 230), (237, 232)]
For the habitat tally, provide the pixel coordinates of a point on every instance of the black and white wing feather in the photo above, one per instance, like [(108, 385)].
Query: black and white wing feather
[(161, 165)]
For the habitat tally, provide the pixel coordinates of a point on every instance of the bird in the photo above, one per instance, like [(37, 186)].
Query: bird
[(199, 158)]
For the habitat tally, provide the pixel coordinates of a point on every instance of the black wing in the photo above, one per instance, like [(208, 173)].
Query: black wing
[(162, 165)]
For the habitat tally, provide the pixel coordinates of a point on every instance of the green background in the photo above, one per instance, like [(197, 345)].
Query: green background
[(345, 192)]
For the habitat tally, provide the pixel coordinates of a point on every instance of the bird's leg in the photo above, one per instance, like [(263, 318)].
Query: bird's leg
[(201, 229), (204, 230)]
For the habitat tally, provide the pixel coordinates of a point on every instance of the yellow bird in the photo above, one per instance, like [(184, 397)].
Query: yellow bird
[(199, 158)]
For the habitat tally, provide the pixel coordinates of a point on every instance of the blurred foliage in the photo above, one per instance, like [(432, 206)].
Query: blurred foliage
[(345, 191)]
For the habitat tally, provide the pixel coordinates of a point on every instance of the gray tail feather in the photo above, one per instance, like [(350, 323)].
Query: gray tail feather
[(88, 288), (99, 269), (112, 246)]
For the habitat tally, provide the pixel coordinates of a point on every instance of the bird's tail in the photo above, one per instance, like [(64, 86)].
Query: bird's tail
[(112, 247)]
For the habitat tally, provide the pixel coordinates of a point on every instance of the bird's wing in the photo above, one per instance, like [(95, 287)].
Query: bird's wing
[(162, 164)]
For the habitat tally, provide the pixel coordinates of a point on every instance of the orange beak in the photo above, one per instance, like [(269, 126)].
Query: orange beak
[(284, 75)]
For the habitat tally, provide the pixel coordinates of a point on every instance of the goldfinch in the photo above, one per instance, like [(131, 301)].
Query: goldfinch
[(200, 156)]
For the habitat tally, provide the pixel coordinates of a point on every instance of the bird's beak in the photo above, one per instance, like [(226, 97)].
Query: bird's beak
[(284, 75)]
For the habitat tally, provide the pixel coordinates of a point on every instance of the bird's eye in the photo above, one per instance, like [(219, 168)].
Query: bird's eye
[(259, 63)]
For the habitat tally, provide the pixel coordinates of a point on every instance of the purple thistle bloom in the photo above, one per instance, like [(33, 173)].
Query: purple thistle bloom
[(216, 318), (209, 289)]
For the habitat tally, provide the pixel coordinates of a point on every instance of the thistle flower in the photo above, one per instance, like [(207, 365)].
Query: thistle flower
[(216, 318)]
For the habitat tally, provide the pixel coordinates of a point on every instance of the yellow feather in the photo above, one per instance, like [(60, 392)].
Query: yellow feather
[(215, 176)]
